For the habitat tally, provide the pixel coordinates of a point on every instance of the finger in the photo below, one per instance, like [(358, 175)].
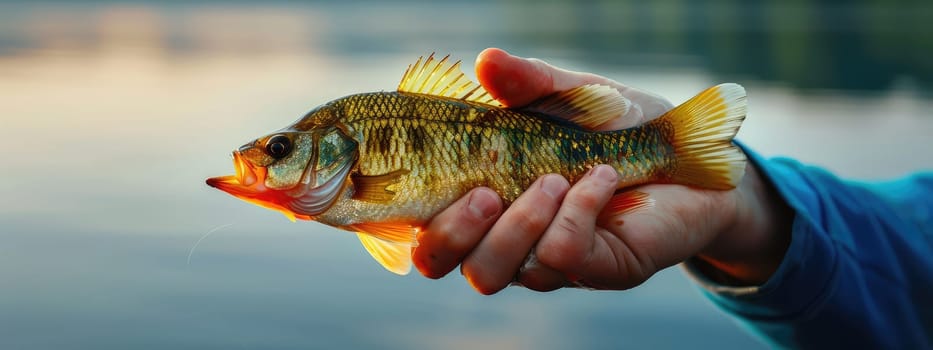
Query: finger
[(453, 233), (498, 257), (517, 81), (536, 276), (569, 242)]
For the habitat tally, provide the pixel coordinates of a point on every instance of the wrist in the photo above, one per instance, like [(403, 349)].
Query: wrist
[(750, 250)]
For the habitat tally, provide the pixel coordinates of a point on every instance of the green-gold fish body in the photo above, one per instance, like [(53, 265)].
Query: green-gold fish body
[(382, 164), (449, 147)]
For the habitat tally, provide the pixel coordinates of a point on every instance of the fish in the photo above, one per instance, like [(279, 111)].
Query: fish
[(382, 164)]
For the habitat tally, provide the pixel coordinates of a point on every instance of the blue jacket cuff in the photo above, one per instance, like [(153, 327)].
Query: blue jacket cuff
[(809, 265)]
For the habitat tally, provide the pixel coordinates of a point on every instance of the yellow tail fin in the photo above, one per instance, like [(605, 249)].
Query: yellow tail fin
[(703, 128)]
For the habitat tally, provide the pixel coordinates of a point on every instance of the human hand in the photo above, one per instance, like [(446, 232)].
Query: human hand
[(742, 232)]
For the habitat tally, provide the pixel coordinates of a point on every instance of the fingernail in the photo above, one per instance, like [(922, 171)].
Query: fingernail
[(605, 173), (553, 185), (483, 204)]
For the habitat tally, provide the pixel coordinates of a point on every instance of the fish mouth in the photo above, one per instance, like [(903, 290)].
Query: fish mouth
[(313, 195), (248, 184), (248, 180)]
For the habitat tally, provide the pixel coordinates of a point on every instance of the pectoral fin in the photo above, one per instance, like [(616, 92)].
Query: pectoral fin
[(374, 188), (395, 257)]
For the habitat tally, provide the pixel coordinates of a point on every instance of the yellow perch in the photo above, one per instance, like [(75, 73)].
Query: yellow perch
[(381, 164)]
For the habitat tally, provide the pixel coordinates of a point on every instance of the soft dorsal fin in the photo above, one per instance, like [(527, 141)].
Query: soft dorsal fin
[(444, 79), (395, 257), (589, 106)]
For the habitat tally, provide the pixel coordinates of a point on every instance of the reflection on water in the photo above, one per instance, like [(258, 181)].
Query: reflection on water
[(112, 115)]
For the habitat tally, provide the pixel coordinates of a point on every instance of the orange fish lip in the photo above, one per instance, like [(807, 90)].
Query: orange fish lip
[(242, 183), (249, 185)]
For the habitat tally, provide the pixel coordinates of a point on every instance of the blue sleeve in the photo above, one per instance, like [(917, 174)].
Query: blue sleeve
[(859, 269)]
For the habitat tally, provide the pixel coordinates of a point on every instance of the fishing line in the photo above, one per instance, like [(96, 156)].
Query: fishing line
[(191, 251)]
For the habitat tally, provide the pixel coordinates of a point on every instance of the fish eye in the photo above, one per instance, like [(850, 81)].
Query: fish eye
[(279, 146)]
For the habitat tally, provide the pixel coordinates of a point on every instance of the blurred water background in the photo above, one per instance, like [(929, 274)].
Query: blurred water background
[(112, 114)]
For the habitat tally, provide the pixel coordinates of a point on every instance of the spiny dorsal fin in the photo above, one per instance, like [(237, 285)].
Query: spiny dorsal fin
[(589, 106), (444, 79)]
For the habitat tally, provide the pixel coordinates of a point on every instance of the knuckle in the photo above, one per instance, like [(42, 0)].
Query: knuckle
[(445, 235), (454, 236), (569, 225), (563, 247), (528, 220), (586, 200)]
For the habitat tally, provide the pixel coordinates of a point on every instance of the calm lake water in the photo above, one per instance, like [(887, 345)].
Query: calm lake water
[(112, 115)]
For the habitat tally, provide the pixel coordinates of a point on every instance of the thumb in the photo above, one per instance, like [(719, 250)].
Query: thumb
[(512, 80), (517, 81)]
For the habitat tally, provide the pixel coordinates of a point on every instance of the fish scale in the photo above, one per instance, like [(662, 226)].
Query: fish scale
[(519, 141)]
